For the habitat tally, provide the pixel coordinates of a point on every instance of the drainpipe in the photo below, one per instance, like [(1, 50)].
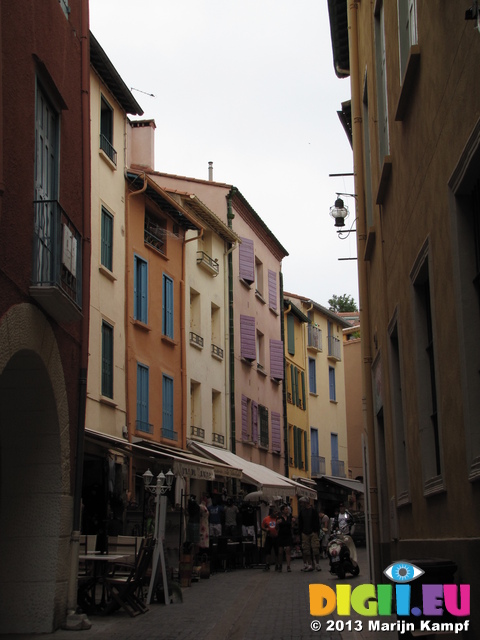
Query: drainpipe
[(284, 381), (230, 217), (368, 422), (72, 620)]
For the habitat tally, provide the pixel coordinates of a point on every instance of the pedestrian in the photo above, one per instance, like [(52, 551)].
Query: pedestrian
[(230, 511), (285, 537), (324, 528), (269, 525), (309, 526), (345, 523)]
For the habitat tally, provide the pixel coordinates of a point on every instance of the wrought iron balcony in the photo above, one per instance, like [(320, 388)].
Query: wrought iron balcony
[(217, 352), (107, 147), (218, 438), (57, 262), (141, 425), (197, 432), (318, 466), (168, 433), (334, 352), (338, 468), (154, 234), (196, 340), (208, 263)]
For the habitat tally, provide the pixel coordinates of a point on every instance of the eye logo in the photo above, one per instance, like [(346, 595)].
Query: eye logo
[(402, 572)]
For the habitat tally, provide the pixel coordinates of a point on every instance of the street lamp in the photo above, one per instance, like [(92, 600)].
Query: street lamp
[(339, 212), (164, 484)]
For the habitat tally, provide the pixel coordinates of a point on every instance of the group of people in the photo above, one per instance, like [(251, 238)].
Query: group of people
[(314, 528)]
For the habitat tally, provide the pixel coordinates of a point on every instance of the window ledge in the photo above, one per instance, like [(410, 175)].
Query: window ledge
[(261, 370), (169, 340), (141, 325), (107, 160), (277, 381), (433, 487), (107, 273), (260, 297), (107, 401), (411, 72), (156, 251), (384, 179), (403, 499), (245, 283), (249, 441), (313, 393), (247, 361), (274, 311)]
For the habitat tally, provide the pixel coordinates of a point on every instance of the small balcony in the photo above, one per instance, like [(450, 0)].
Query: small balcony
[(318, 466), (338, 468), (218, 438), (196, 340), (169, 434), (217, 352), (207, 263), (334, 352), (145, 427), (107, 148), (197, 432), (314, 338), (154, 234), (57, 262)]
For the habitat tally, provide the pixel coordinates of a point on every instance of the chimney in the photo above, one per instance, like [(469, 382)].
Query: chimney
[(210, 171), (141, 143)]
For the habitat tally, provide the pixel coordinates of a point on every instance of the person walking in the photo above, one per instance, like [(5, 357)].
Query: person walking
[(285, 537), (309, 526), (269, 525)]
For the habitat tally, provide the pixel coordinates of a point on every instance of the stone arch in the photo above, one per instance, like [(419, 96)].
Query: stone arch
[(36, 505)]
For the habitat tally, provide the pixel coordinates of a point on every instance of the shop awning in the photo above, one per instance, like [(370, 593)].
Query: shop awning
[(183, 463), (108, 441), (268, 481), (351, 485)]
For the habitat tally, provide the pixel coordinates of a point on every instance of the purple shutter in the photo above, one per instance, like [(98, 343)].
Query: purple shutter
[(247, 260), (244, 418), (254, 421), (247, 337), (276, 431), (272, 289), (276, 359)]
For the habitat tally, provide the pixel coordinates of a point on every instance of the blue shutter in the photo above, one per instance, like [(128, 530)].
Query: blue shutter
[(167, 324), (276, 432), (276, 359), (140, 290), (247, 338), (144, 294), (142, 398), (272, 289), (312, 376), (247, 260), (167, 406)]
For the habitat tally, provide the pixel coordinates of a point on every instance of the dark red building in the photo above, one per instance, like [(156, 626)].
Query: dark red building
[(44, 302)]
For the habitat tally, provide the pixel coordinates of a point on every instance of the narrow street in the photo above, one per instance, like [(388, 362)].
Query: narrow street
[(247, 604)]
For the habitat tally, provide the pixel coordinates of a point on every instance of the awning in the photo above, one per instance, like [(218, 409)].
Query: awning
[(268, 481), (183, 463), (108, 441), (352, 485)]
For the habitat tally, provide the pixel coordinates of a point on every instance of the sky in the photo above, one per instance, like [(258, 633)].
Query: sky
[(249, 85)]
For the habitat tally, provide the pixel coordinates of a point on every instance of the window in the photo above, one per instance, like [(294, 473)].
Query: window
[(195, 404), (65, 7), (106, 258), (247, 338), (276, 359), (155, 233), (142, 399), (259, 277), (312, 375), (407, 31), (272, 290), (299, 448), (260, 349), (167, 408), (140, 290), (367, 156), (196, 338), (331, 384), (381, 61), (107, 360), (167, 308), (106, 131), (263, 414), (246, 261), (216, 412), (291, 334)]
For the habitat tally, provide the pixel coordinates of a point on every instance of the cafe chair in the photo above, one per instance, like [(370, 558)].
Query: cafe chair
[(127, 590)]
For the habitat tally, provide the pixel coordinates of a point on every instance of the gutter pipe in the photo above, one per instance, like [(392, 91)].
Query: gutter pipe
[(230, 217)]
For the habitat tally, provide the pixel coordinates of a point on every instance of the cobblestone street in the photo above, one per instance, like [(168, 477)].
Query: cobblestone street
[(247, 604)]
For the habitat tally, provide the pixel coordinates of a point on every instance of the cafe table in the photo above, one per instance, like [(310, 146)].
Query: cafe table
[(88, 585)]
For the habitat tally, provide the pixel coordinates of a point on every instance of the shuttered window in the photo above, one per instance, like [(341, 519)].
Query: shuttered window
[(276, 359), (272, 290), (167, 309), (312, 375), (140, 290), (276, 432), (107, 239), (247, 260), (291, 334), (167, 408), (107, 360), (244, 417), (263, 414), (331, 382), (247, 338), (305, 450), (254, 421), (142, 399)]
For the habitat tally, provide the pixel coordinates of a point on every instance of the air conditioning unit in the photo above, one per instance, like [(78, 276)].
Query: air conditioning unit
[(125, 431)]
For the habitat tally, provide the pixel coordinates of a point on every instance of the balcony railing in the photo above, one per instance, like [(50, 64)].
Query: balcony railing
[(57, 262), (196, 340), (338, 468), (217, 352), (107, 147), (318, 466), (197, 432), (314, 338), (141, 425), (204, 260), (168, 433), (334, 348), (154, 234), (218, 438)]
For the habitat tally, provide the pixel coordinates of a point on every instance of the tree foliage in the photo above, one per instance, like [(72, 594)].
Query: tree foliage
[(342, 303)]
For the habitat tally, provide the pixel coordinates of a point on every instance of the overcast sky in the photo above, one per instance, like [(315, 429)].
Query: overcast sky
[(249, 85)]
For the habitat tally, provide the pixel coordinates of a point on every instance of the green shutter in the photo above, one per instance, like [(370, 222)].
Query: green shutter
[(297, 391), (303, 390), (306, 449), (291, 334)]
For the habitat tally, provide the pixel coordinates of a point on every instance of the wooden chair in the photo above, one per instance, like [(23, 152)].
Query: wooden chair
[(127, 591)]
